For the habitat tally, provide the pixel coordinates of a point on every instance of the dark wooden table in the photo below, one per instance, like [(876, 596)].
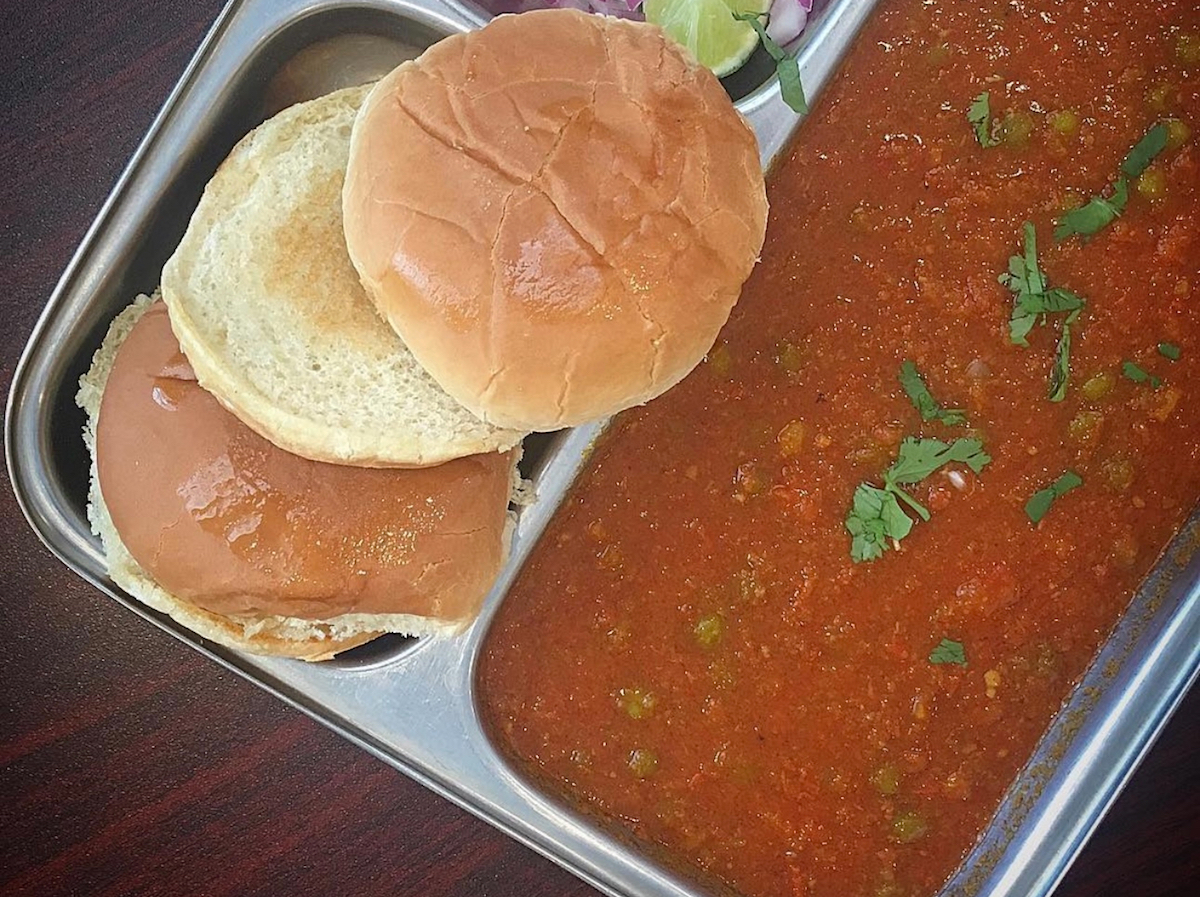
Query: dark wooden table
[(129, 764)]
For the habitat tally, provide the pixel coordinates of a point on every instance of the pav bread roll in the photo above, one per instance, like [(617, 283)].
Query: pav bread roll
[(271, 314), (556, 213), (261, 550)]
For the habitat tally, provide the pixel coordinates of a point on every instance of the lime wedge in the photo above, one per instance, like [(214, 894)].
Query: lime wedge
[(708, 29)]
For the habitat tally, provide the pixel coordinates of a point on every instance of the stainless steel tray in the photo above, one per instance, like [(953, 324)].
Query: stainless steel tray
[(411, 703)]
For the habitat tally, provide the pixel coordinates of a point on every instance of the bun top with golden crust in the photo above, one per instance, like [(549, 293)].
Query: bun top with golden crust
[(556, 213), (223, 519)]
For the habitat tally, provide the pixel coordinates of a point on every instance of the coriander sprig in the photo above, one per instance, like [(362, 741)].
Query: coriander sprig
[(876, 515), (1094, 215), (979, 115), (1138, 159), (948, 651), (787, 69), (1033, 300), (1040, 502), (923, 400), (1032, 297), (1061, 371), (1100, 211)]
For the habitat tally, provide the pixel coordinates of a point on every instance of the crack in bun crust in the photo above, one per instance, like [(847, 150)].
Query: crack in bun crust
[(556, 213)]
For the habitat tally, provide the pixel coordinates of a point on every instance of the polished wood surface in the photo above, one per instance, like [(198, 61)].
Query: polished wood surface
[(131, 765)]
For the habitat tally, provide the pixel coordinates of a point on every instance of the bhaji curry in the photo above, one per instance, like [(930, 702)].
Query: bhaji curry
[(803, 619)]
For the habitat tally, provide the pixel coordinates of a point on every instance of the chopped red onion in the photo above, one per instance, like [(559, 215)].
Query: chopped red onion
[(623, 9), (978, 369), (788, 18)]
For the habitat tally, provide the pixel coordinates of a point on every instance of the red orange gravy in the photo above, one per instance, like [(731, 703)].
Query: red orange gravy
[(692, 654)]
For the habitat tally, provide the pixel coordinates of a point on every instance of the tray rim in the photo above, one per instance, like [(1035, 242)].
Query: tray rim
[(1038, 871)]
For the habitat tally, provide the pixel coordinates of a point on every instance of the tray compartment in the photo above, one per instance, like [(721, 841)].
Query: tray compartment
[(412, 702)]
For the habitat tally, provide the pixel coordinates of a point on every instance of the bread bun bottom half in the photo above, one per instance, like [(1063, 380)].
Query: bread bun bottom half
[(263, 551)]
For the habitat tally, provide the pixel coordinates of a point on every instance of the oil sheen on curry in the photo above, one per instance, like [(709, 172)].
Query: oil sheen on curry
[(804, 618)]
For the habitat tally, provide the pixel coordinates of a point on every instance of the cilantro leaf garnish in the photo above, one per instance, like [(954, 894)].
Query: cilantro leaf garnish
[(1139, 158), (923, 400), (1099, 212), (1028, 307), (979, 114), (1139, 375), (921, 457), (874, 518), (787, 69), (1062, 361), (1040, 502), (949, 651), (1033, 300), (1095, 215), (1169, 350), (1031, 296), (876, 515), (1024, 277)]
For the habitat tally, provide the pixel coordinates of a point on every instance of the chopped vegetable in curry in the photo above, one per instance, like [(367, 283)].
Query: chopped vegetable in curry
[(822, 727), (1138, 374)]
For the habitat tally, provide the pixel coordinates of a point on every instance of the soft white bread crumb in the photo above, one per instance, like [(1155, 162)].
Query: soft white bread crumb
[(272, 317)]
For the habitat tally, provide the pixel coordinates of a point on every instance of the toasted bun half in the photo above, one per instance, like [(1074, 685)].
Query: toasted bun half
[(271, 314), (556, 213), (261, 550)]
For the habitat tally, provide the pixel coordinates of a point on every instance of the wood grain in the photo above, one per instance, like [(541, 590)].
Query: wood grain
[(129, 764)]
